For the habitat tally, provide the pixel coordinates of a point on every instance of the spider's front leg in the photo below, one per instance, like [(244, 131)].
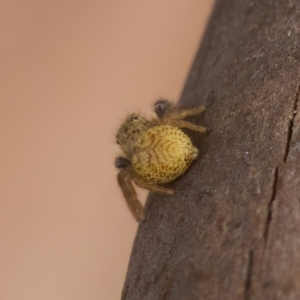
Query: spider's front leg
[(182, 113), (169, 115), (125, 178), (185, 124)]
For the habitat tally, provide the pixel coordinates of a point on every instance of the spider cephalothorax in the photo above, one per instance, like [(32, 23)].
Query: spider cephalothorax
[(157, 151)]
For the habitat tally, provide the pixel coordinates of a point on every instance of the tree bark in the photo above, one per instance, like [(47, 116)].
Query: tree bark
[(232, 230)]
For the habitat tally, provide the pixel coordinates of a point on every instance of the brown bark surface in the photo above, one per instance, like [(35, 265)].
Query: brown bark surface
[(232, 230)]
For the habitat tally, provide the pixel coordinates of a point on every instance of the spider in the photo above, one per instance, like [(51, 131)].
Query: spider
[(157, 151)]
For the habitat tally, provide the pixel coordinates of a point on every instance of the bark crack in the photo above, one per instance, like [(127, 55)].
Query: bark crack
[(291, 124), (286, 153), (269, 216), (248, 276), (273, 196), (168, 282)]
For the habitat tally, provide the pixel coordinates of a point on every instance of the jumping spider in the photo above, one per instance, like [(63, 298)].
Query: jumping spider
[(157, 151)]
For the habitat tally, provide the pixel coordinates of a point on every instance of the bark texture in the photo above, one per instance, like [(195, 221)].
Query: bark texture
[(232, 230)]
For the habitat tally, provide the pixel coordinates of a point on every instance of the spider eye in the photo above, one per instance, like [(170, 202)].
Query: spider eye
[(117, 142), (134, 117)]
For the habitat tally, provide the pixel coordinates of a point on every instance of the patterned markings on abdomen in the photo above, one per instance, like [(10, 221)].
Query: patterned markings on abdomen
[(162, 153)]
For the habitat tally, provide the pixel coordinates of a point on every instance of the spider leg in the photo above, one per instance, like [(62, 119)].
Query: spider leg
[(185, 124), (152, 186), (167, 111), (125, 183), (189, 112), (182, 113)]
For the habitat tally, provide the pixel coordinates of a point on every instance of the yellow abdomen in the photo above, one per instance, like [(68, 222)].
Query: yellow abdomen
[(162, 153)]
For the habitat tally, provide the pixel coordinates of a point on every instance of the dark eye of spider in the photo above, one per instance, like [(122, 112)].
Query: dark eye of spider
[(135, 117)]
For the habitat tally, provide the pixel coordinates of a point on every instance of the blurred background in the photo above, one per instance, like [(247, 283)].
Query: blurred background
[(70, 71)]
